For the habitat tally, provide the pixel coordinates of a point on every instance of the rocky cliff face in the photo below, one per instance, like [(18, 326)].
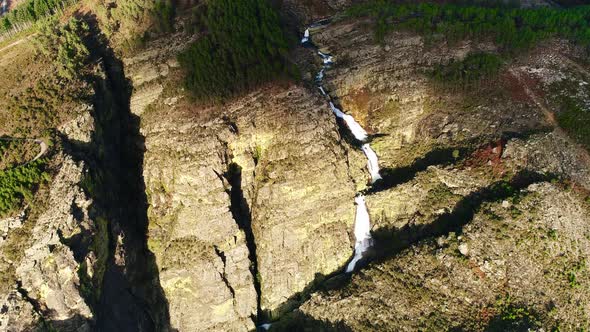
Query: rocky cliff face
[(238, 198), (47, 274), (251, 202), (51, 252), (447, 155), (513, 255), (166, 214)]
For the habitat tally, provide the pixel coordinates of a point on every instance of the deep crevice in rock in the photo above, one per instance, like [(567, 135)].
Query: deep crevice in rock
[(34, 303), (223, 275), (129, 296), (242, 215)]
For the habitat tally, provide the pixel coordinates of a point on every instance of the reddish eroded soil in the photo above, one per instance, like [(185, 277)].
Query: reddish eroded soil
[(488, 155)]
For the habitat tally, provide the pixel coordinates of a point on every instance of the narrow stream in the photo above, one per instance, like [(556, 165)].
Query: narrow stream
[(362, 222)]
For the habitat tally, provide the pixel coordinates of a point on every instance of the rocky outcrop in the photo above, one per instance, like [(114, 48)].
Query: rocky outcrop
[(296, 180), (49, 271), (47, 285), (200, 250), (280, 152), (149, 68)]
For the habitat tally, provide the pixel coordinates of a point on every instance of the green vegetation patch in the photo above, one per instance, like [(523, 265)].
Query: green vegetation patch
[(29, 12), (17, 185), (131, 23), (470, 70), (511, 28), (16, 152), (64, 44), (164, 13), (244, 46), (575, 120), (569, 98), (33, 99), (513, 317)]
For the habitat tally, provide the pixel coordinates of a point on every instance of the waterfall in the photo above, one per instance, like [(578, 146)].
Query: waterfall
[(372, 163), (362, 232), (362, 221), (355, 128), (320, 76), (305, 38), (326, 57)]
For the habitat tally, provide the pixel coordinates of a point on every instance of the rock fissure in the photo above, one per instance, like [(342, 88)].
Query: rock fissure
[(242, 215), (35, 304), (347, 161), (130, 295), (223, 274)]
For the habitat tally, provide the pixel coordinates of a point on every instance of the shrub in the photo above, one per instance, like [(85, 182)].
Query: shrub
[(244, 46), (574, 119), (164, 16), (64, 44), (513, 317), (18, 184)]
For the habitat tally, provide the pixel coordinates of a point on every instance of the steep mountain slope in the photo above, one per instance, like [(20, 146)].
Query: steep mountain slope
[(162, 213)]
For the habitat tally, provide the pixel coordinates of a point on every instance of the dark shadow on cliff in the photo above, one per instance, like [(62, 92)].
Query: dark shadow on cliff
[(242, 215), (129, 297), (391, 241), (321, 283), (441, 156), (444, 156), (299, 321), (70, 324)]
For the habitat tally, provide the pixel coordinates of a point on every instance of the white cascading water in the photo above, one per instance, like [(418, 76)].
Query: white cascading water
[(355, 128), (372, 163), (320, 76), (326, 57), (362, 223), (362, 232), (305, 38)]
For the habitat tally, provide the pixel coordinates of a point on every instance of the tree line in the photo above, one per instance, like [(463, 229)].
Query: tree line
[(511, 28), (30, 11), (243, 46)]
